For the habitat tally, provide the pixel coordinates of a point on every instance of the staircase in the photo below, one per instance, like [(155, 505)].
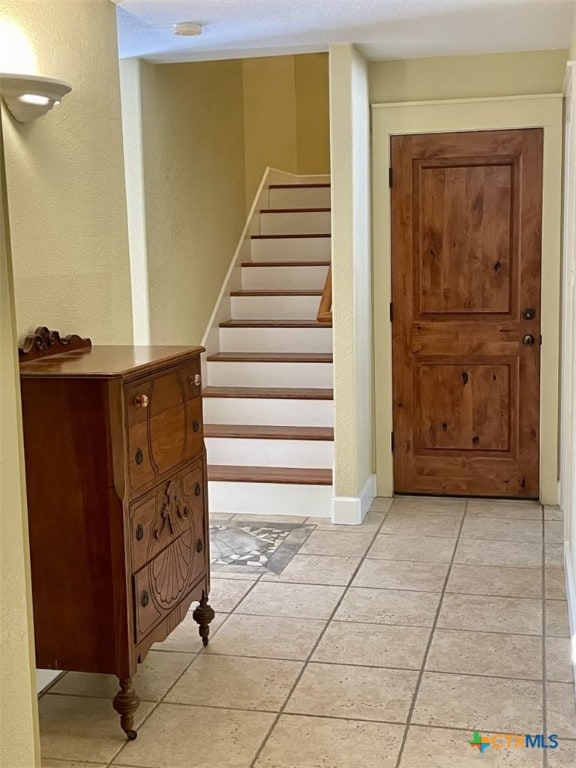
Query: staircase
[(268, 403)]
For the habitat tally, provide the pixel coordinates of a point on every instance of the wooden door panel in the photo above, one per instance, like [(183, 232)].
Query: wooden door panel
[(466, 248)]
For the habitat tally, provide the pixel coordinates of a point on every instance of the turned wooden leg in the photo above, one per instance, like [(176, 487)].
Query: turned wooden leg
[(126, 703), (203, 614)]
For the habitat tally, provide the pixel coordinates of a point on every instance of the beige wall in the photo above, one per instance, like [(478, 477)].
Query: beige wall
[(352, 276), (19, 746), (286, 116), (65, 178), (467, 77), (193, 150)]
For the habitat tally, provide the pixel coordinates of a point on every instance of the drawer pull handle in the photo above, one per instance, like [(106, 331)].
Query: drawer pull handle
[(141, 401), (145, 599), (139, 532), (199, 545), (195, 425), (197, 489), (139, 457), (195, 380)]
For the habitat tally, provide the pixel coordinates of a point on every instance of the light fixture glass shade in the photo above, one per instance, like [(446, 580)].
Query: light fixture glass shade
[(30, 96)]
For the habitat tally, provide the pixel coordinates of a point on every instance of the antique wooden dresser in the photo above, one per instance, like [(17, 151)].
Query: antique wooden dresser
[(116, 481)]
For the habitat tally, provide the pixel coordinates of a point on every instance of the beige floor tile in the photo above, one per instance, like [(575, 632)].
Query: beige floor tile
[(512, 510), (185, 637), (564, 756), (236, 575), (267, 637), (400, 574), (418, 548), (444, 748), (225, 594), (491, 614), (553, 513), (336, 543), (554, 531), (318, 742), (179, 736), (554, 554), (486, 653), (154, 678), (502, 529), (82, 728), (220, 517), (427, 504), (495, 581), (371, 645), (561, 709), (421, 524), (479, 703), (520, 554), (236, 682), (558, 660), (381, 504), (317, 569), (291, 519), (555, 583), (357, 693), (298, 600), (48, 763), (388, 606), (371, 522), (557, 618)]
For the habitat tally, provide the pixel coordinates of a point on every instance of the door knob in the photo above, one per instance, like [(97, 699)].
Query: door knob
[(528, 340)]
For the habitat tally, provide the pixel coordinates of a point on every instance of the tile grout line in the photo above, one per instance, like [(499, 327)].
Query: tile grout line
[(428, 646), (315, 645)]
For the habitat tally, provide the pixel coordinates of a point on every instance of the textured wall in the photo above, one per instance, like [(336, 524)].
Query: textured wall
[(65, 178), (312, 113), (193, 149), (467, 77)]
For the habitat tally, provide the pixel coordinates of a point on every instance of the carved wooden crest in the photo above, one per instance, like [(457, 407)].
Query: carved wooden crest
[(44, 342)]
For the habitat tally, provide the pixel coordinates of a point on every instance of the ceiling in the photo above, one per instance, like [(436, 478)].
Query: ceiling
[(383, 29)]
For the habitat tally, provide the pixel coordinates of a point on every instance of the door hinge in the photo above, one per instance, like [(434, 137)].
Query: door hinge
[(390, 177), (540, 339), (392, 440), (391, 312)]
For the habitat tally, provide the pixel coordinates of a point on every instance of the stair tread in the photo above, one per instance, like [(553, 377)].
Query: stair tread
[(280, 292), (285, 263), (287, 475), (273, 324), (299, 186), (290, 236), (269, 393), (271, 357), (257, 432), (295, 210)]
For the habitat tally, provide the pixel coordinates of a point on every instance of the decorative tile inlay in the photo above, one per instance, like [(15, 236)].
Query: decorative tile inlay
[(255, 546)]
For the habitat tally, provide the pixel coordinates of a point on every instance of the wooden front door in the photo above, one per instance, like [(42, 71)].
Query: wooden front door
[(466, 247)]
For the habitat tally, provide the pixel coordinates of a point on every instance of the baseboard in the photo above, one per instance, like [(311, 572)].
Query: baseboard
[(351, 510), (45, 678), (571, 597)]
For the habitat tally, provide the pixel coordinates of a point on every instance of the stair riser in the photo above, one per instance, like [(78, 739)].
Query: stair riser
[(270, 499), (275, 307), (248, 374), (287, 278), (276, 339), (299, 197), (242, 452), (268, 412), (299, 223), (292, 249)]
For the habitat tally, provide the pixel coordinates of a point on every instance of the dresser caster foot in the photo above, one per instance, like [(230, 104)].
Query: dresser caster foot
[(203, 615), (126, 702)]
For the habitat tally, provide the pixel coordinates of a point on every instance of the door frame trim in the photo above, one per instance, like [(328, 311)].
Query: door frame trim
[(536, 111)]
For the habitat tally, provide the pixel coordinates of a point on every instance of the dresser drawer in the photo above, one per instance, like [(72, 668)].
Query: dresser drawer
[(163, 515), (164, 415)]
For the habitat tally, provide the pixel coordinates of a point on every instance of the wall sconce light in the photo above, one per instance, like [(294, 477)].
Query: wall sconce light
[(29, 96)]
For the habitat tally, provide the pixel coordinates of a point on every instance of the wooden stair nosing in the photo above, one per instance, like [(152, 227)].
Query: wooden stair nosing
[(260, 432), (280, 475), (269, 393), (270, 357), (271, 292), (273, 324), (291, 236), (285, 264), (295, 210), (318, 185)]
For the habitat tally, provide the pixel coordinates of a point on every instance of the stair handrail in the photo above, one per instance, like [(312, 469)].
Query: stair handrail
[(325, 309)]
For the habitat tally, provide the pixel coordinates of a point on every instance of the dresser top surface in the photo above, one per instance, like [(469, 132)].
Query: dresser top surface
[(107, 362)]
